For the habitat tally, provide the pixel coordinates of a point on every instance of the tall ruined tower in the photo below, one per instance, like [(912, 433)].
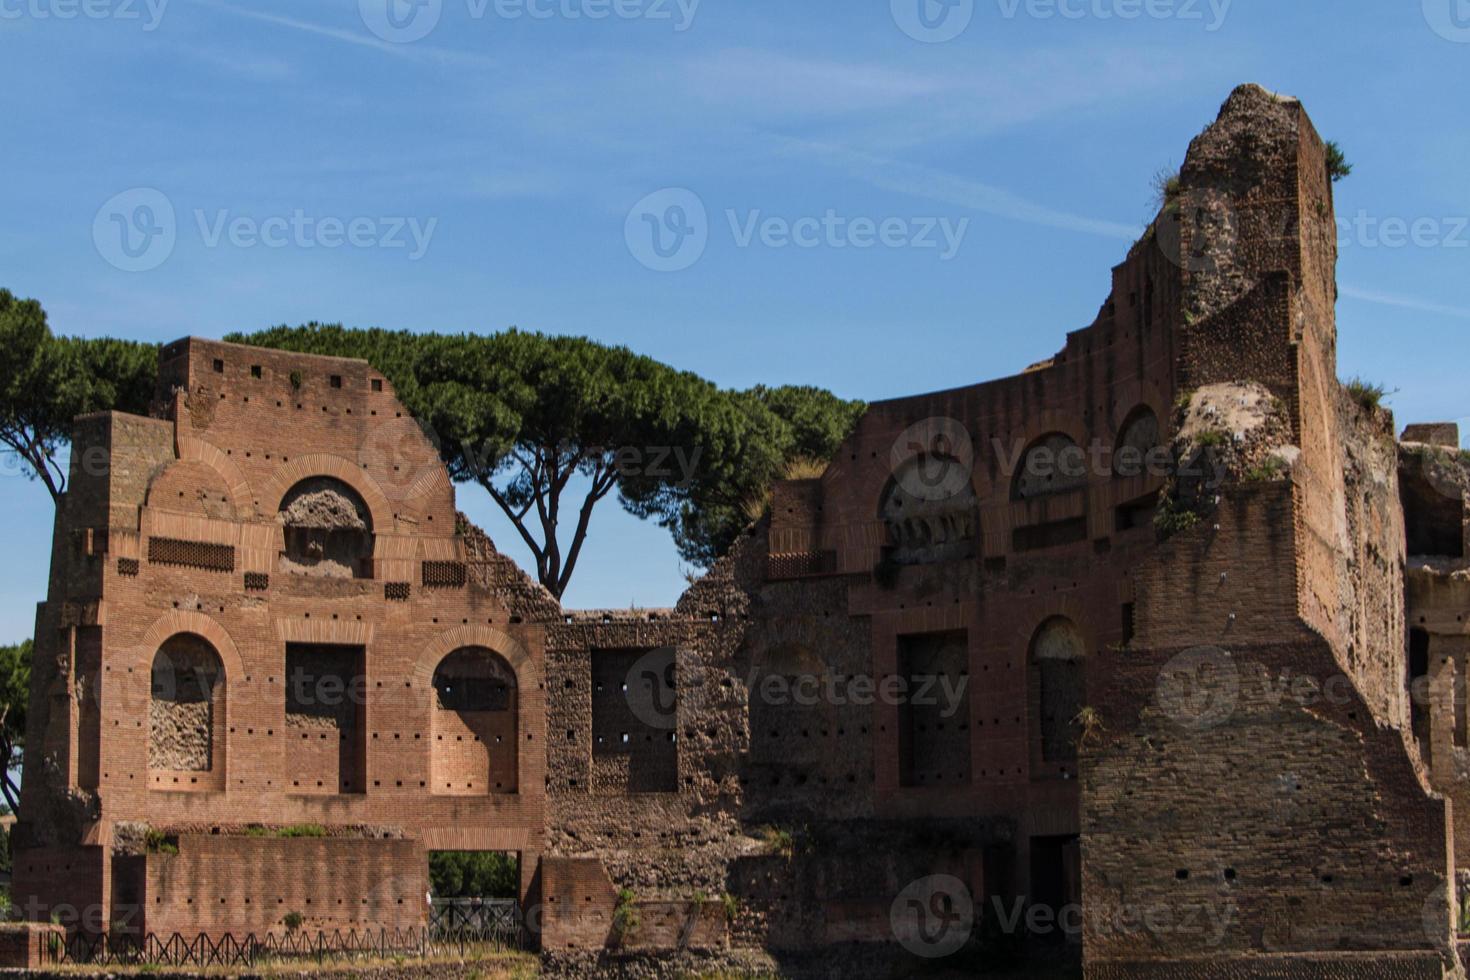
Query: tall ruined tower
[(1252, 784)]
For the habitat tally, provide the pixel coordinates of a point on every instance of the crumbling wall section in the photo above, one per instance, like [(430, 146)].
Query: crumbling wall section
[(676, 837)]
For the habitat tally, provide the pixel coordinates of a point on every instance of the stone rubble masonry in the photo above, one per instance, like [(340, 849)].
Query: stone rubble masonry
[(1261, 679)]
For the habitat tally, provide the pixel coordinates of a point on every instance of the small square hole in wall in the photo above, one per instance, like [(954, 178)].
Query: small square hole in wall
[(336, 381), (255, 371), (377, 384), (219, 366)]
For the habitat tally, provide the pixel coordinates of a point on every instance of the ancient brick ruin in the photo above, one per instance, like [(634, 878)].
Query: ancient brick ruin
[(1206, 686)]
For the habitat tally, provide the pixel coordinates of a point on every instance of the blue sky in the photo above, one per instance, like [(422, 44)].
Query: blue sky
[(517, 136)]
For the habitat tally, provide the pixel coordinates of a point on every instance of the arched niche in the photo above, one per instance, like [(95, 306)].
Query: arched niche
[(475, 724), (186, 707), (327, 530), (1138, 437), (930, 511), (1057, 676), (1052, 464)]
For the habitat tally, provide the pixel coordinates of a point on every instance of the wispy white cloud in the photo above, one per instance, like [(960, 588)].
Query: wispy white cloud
[(942, 96), (780, 84), (234, 62), (1404, 302), (415, 51), (927, 183)]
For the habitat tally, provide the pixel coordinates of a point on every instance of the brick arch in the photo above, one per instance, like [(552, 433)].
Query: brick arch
[(1132, 395), (1031, 651), (130, 683), (1074, 680), (287, 475), (979, 473), (502, 643), (192, 487), (453, 773), (1014, 446), (1060, 607), (1045, 423), (191, 449), (186, 621)]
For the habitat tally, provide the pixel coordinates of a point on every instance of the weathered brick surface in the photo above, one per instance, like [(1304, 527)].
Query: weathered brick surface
[(1018, 685), (25, 945)]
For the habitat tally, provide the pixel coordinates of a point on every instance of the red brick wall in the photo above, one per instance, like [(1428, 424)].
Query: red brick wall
[(244, 884)]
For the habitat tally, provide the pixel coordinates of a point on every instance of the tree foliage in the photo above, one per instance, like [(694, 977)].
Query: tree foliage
[(473, 874), (48, 381), (551, 426), (15, 686), (1337, 162)]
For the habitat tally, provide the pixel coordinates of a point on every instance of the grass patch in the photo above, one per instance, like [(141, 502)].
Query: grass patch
[(293, 830), (302, 830), (778, 841), (1167, 188), (1367, 394), (803, 468), (1269, 471), (158, 842), (1213, 439)]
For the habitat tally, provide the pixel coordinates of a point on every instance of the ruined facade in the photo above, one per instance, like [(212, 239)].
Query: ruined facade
[(1162, 639)]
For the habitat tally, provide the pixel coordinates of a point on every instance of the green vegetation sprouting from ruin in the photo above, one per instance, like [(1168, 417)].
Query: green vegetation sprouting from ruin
[(1167, 188), (1337, 163), (625, 919), (1367, 394)]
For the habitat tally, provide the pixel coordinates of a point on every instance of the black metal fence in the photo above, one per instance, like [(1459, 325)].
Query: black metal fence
[(491, 915), (501, 932)]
